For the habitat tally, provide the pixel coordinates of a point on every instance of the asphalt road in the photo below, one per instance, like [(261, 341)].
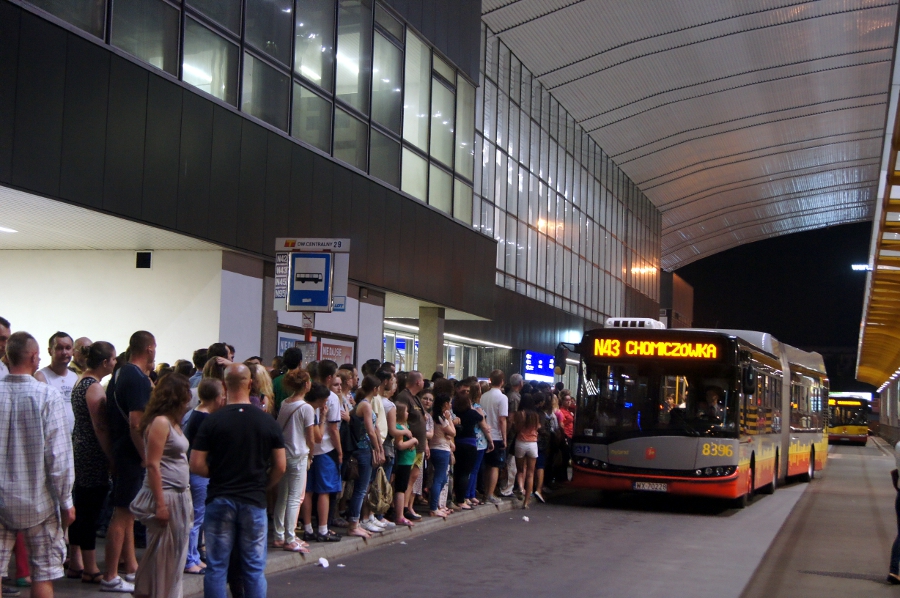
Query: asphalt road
[(642, 546)]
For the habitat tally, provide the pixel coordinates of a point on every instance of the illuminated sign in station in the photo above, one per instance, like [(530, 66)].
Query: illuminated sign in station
[(538, 367), (613, 347)]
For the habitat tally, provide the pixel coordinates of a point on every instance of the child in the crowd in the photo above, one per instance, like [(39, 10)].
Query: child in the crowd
[(404, 459)]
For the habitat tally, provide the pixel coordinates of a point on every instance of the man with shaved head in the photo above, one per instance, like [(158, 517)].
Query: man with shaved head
[(79, 355), (234, 448)]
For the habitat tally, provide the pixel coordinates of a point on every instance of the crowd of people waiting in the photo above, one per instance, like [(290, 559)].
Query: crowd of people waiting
[(205, 453)]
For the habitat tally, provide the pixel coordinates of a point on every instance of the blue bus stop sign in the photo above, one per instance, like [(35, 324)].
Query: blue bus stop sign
[(309, 282)]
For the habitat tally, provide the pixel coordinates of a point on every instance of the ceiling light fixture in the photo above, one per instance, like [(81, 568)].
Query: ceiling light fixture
[(3, 229)]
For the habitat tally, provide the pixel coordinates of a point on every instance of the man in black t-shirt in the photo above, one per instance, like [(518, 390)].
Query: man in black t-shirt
[(233, 448), (127, 396)]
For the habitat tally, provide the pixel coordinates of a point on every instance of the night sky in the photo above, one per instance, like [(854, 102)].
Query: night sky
[(798, 287)]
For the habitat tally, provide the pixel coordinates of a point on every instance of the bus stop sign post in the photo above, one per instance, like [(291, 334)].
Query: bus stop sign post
[(309, 274)]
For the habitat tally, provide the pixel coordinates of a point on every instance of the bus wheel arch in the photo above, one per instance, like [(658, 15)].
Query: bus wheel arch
[(746, 498), (771, 486), (810, 467)]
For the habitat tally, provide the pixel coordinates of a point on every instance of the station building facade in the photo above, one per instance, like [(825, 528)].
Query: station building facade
[(484, 222)]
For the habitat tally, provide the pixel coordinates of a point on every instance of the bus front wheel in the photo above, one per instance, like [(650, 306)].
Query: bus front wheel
[(743, 501), (810, 468)]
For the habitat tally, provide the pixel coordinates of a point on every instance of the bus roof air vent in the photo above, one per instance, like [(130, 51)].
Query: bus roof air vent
[(634, 323)]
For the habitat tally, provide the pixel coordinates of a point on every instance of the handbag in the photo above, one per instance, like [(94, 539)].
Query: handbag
[(350, 469)]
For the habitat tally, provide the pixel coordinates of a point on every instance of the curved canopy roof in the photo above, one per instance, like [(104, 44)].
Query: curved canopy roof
[(739, 119)]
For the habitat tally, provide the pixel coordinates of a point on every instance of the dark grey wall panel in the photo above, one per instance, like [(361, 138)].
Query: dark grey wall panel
[(300, 204), (278, 189), (453, 26), (380, 229), (194, 165), (322, 187), (252, 202), (161, 153), (142, 147), (9, 64), (39, 105), (125, 137), (224, 174), (84, 122)]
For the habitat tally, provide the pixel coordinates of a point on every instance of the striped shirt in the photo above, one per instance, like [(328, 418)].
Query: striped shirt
[(38, 471)]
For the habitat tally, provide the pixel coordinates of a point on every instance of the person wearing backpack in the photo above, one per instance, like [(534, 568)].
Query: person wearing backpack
[(547, 436), (403, 462)]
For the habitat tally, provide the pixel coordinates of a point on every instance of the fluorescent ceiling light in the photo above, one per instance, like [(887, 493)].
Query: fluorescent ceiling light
[(447, 335), (3, 229)]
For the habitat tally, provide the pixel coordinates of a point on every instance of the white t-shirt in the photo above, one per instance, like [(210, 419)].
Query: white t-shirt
[(495, 405), (334, 416), (64, 384), (4, 371), (294, 418)]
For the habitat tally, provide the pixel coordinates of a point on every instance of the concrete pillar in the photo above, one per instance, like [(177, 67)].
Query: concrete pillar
[(431, 340)]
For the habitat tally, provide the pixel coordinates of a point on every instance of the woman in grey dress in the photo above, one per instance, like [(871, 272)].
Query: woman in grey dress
[(164, 502)]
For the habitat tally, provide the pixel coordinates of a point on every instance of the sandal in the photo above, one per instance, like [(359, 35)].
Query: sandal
[(465, 507), (404, 521), (359, 532), (91, 577), (295, 547), (74, 573), (278, 544), (199, 571)]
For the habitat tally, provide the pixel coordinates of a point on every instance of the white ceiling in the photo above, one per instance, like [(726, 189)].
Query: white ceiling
[(49, 224), (739, 119)]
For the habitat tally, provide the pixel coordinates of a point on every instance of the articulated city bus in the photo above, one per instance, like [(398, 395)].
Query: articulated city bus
[(848, 419), (717, 413)]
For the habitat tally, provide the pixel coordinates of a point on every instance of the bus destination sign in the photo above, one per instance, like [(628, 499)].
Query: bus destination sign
[(613, 347)]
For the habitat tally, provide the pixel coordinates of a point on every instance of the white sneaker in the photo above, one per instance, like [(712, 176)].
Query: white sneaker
[(385, 524), (117, 584), (375, 521), (370, 527)]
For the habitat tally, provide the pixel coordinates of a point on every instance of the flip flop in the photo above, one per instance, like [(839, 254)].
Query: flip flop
[(74, 573), (201, 571), (91, 577), (295, 547)]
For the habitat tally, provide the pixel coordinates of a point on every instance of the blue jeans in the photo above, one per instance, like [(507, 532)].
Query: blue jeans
[(234, 525), (895, 549), (473, 479), (441, 461), (198, 495), (361, 485)]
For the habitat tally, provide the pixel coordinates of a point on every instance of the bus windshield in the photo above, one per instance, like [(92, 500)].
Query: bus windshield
[(854, 415), (629, 400)]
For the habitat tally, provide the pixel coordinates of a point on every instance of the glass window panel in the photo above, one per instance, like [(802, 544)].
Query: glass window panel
[(512, 144), (490, 110), (487, 219), (500, 181), (476, 212), (385, 159), (526, 90), (524, 129), (350, 139), (442, 116), (462, 201), (314, 42), (522, 253), (515, 82), (479, 101), (465, 127), (523, 192), (532, 255), (489, 165), (268, 28), (390, 24), (440, 189), (88, 15), (210, 62), (147, 29), (353, 53), (417, 92), (265, 94), (500, 236), (312, 118), (512, 186), (386, 96), (503, 69), (510, 245), (414, 175), (443, 68), (225, 12), (502, 118)]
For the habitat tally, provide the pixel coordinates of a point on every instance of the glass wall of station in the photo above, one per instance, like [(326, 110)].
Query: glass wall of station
[(346, 77), (573, 229), (402, 349)]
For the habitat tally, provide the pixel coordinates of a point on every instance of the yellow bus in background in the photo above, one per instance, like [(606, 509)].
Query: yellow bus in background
[(848, 419)]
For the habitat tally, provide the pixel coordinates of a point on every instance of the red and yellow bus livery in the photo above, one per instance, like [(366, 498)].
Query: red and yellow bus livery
[(716, 413)]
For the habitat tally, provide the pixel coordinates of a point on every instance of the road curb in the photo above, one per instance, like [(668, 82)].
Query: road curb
[(280, 561)]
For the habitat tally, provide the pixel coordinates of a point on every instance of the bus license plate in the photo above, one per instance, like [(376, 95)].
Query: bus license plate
[(651, 486)]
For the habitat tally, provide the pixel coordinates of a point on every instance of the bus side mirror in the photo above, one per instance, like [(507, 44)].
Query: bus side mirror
[(559, 360), (749, 381)]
